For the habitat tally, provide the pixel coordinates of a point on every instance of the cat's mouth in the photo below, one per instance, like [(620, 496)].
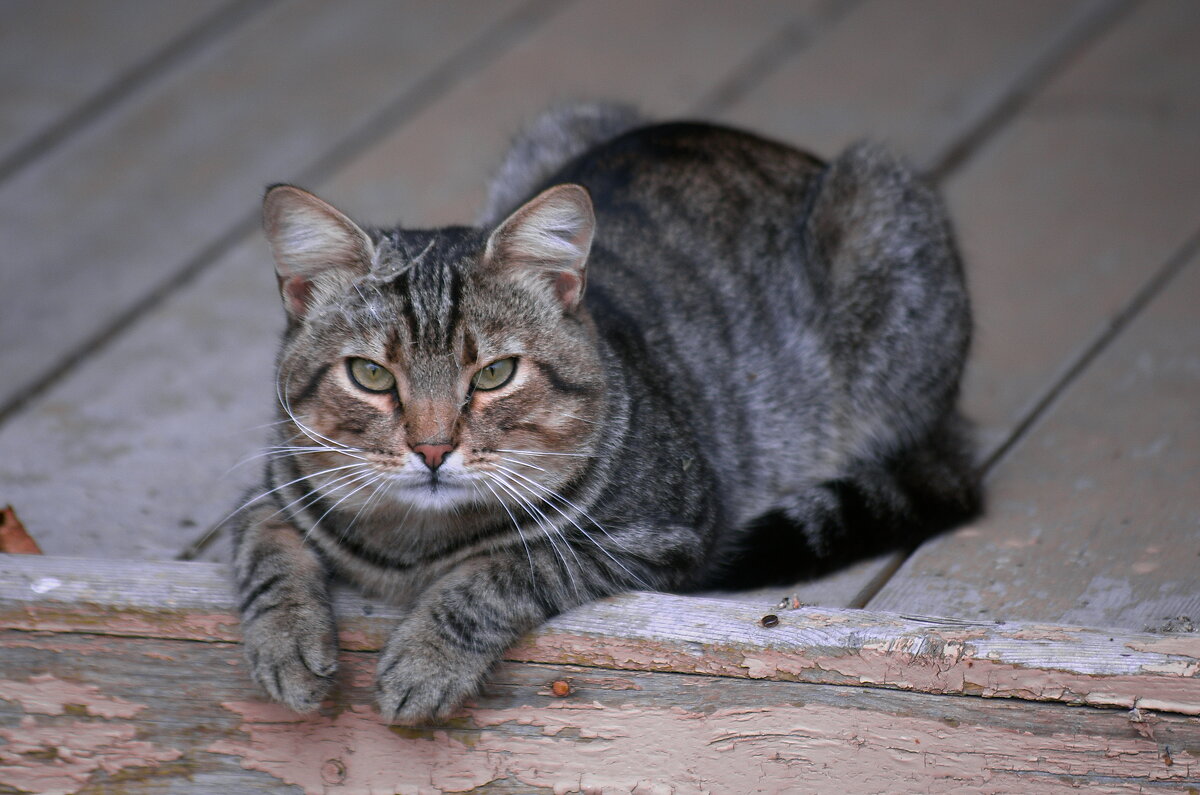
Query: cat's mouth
[(445, 491)]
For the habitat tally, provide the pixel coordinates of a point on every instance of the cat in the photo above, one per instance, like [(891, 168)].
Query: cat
[(666, 353)]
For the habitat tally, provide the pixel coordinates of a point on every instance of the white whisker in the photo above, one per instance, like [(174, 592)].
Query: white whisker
[(516, 525), (282, 452), (281, 392), (521, 463), (542, 452), (553, 496), (542, 521), (569, 415), (269, 492), (371, 479)]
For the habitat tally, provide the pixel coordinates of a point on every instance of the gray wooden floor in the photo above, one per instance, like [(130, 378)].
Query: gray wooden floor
[(138, 314)]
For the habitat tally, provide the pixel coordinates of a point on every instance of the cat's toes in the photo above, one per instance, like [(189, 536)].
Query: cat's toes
[(415, 685), (293, 656)]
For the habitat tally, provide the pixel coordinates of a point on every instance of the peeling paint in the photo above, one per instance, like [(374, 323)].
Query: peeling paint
[(357, 749), (60, 759), (45, 585), (55, 758), (46, 694), (586, 747)]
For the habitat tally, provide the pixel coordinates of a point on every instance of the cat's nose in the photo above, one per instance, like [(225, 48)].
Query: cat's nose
[(433, 453)]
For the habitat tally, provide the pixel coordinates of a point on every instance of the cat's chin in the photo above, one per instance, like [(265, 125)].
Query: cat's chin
[(441, 496)]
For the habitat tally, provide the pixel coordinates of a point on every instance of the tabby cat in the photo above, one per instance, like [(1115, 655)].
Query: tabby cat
[(665, 349)]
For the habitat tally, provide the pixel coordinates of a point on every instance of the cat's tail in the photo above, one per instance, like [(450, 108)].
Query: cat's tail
[(555, 138)]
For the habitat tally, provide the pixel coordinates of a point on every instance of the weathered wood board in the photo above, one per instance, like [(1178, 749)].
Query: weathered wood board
[(1077, 204), (660, 632), (58, 58), (132, 668), (145, 191), (144, 481), (1093, 516), (434, 169), (920, 76), (615, 731)]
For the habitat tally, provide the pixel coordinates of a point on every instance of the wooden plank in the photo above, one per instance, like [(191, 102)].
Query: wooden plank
[(149, 715), (919, 76), (663, 57), (1095, 518), (1077, 206), (143, 459), (665, 633), (55, 57), (102, 221), (140, 457)]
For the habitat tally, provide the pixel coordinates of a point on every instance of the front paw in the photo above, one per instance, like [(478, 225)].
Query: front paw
[(292, 649), (419, 680)]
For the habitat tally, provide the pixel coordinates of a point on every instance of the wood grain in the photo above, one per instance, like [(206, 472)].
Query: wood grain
[(1093, 516), (55, 57), (918, 76), (146, 451), (616, 731), (665, 633), (663, 57), (145, 445), (1076, 205), (148, 714), (147, 188)]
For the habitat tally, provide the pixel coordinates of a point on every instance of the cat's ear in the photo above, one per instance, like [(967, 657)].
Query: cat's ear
[(548, 238), (318, 250)]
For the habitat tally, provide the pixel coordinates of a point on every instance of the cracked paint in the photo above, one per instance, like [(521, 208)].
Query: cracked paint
[(587, 747), (54, 757)]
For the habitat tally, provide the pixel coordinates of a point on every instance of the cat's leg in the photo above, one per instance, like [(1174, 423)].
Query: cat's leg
[(460, 627), (287, 617)]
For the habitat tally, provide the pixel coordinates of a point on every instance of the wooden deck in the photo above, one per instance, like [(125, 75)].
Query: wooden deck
[(138, 323)]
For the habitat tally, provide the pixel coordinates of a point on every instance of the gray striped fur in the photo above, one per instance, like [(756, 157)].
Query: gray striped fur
[(754, 377)]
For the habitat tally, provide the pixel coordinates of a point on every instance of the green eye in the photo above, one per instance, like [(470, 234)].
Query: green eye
[(496, 374), (369, 375)]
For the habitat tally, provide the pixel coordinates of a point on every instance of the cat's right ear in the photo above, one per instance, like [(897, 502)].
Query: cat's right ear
[(318, 250)]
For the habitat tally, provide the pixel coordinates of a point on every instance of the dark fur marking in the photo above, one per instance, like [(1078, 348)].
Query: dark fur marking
[(311, 387), (556, 381), (456, 289), (462, 628), (262, 611), (261, 589)]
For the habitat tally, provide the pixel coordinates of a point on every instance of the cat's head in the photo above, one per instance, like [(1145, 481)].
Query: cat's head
[(450, 371)]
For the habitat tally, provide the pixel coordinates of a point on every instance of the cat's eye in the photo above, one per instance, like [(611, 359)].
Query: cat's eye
[(369, 375), (496, 374)]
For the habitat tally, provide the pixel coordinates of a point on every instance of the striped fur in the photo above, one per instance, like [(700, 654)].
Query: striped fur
[(732, 362)]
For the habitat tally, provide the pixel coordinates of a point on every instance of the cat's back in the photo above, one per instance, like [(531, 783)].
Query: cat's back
[(714, 179), (700, 218)]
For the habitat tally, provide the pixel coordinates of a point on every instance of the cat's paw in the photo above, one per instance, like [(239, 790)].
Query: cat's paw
[(292, 651), (418, 680)]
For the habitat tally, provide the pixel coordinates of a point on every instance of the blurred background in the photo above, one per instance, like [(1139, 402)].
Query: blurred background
[(139, 318)]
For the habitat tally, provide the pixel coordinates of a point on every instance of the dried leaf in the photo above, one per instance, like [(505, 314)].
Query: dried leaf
[(13, 537)]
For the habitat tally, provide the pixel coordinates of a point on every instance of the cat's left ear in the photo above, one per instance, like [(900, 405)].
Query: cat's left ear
[(318, 250), (548, 239)]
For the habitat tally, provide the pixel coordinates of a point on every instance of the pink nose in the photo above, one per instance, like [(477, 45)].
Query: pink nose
[(433, 453)]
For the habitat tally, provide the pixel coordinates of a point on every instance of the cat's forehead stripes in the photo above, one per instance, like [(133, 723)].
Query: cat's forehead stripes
[(426, 271)]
